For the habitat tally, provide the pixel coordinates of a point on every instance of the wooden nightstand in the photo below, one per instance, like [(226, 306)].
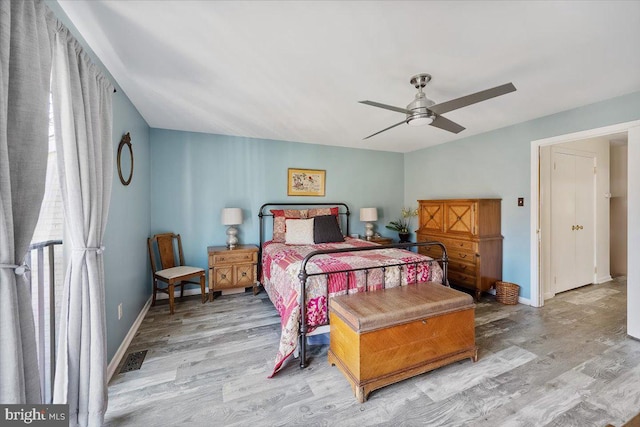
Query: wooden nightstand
[(382, 240), (232, 270)]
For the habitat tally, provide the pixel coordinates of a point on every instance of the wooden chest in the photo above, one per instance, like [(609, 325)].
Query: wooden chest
[(381, 337)]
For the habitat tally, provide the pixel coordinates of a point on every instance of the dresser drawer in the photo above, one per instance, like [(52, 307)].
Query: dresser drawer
[(451, 244), (464, 256), (462, 279), (462, 267), (463, 245), (232, 257), (430, 251)]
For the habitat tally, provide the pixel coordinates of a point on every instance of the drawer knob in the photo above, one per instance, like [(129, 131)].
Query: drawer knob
[(244, 273), (224, 276), (463, 255), (424, 322)]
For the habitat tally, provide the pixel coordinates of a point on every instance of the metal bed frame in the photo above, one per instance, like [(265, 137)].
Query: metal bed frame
[(303, 275)]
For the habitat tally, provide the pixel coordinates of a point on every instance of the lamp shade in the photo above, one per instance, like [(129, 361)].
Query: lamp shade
[(231, 216), (368, 214)]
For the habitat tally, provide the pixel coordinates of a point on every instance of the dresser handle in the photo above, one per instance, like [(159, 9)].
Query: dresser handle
[(463, 255)]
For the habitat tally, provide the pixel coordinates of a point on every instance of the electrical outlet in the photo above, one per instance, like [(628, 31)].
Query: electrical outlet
[(520, 201), (119, 311)]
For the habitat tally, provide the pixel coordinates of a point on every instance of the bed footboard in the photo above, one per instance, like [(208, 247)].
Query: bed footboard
[(303, 276)]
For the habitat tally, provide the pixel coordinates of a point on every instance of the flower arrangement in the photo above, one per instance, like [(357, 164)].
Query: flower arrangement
[(403, 224)]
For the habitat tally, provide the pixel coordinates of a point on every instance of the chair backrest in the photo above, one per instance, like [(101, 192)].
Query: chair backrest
[(162, 248)]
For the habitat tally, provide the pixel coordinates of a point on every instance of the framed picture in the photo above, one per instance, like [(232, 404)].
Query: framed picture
[(305, 182)]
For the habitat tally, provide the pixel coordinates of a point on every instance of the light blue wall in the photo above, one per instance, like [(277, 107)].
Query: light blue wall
[(127, 270), (126, 261), (498, 164), (195, 175)]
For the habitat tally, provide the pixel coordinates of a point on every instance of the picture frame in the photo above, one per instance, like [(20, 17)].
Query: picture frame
[(306, 182)]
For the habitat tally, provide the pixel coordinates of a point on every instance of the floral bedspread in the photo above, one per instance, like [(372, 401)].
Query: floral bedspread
[(281, 265)]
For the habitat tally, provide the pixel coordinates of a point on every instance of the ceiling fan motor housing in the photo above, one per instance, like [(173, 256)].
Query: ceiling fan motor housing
[(421, 115)]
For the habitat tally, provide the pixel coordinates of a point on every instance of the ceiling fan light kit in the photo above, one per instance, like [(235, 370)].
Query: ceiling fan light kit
[(422, 110)]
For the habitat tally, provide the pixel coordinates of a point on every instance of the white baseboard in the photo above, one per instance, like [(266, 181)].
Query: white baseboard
[(113, 365), (604, 279)]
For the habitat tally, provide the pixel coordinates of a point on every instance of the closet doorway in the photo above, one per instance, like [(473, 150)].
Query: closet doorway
[(539, 266)]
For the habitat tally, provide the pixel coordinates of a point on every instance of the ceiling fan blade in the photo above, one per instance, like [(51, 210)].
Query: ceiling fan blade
[(392, 126), (446, 124), (386, 107), (463, 101)]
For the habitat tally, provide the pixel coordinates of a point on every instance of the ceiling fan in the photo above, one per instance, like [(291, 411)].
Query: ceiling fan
[(422, 110)]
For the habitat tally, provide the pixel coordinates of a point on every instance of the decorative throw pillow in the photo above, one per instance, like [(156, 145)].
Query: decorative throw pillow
[(299, 231), (326, 229), (322, 211), (314, 212), (279, 224)]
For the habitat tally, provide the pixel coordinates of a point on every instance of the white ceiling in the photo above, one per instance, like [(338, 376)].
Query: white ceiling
[(294, 71)]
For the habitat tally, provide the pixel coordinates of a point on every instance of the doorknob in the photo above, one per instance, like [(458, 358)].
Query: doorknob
[(573, 227), (580, 227)]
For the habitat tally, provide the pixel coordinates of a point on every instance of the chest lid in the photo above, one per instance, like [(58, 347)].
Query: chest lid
[(368, 311)]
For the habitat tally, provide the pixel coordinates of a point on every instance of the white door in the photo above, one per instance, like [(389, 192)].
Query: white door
[(572, 219)]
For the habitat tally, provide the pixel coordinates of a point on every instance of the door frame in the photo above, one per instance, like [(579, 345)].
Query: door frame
[(537, 298)]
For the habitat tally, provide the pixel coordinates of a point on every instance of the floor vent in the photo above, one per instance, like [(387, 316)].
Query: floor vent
[(133, 361)]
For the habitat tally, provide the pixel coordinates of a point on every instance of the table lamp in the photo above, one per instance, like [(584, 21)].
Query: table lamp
[(368, 215), (232, 217)]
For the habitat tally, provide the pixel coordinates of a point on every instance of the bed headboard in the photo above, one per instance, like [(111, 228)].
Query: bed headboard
[(343, 212)]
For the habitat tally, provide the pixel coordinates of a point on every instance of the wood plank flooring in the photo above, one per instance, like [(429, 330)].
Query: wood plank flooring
[(569, 363)]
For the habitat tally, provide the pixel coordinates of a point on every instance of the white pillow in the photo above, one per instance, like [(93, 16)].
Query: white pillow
[(299, 232)]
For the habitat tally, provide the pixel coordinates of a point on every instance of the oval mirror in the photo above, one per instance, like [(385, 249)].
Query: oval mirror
[(125, 160)]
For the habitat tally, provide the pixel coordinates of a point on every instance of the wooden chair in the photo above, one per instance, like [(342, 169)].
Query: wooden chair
[(174, 274)]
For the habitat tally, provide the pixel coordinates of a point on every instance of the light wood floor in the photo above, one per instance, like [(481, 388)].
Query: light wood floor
[(567, 364)]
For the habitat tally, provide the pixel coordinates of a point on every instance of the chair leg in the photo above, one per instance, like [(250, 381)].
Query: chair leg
[(155, 289), (181, 290), (202, 288), (171, 289)]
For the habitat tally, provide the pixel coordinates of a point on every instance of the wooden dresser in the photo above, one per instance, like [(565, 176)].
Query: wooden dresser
[(470, 230)]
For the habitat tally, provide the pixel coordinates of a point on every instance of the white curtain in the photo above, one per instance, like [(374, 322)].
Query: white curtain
[(83, 119), (25, 64)]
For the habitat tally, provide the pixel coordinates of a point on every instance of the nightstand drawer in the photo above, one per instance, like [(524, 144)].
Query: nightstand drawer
[(223, 277), (232, 257), (245, 274)]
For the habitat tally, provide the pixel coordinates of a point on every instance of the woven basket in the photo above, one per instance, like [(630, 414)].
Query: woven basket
[(507, 293)]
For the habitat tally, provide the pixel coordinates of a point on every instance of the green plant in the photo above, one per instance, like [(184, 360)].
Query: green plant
[(403, 224)]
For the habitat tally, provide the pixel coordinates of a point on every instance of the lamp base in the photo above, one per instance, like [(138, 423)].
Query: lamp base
[(368, 230), (232, 237)]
